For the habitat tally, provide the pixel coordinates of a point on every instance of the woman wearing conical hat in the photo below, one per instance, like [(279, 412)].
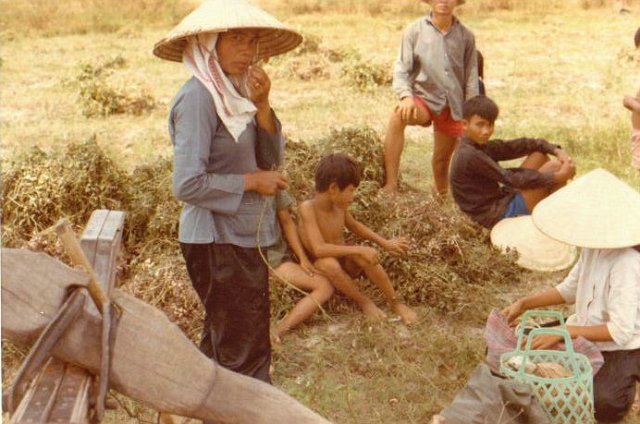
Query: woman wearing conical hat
[(227, 147), (600, 214)]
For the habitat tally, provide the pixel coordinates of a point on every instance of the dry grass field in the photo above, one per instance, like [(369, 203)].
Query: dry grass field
[(83, 70)]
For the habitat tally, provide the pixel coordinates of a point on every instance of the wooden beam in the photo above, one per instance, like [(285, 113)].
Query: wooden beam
[(153, 361), (69, 402)]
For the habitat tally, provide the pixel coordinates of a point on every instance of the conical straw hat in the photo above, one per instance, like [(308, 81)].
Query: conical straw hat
[(536, 251), (458, 3), (222, 15), (596, 211)]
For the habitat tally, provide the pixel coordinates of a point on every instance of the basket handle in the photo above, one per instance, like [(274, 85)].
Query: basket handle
[(536, 313), (568, 344), (552, 331)]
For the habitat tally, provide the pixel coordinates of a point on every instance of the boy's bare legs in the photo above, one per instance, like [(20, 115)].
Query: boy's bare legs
[(394, 143), (633, 104), (332, 269), (379, 277), (321, 290), (443, 148), (540, 162)]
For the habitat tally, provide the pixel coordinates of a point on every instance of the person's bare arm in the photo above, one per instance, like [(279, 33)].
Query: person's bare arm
[(315, 243), (594, 333), (547, 297), (396, 246), (293, 239)]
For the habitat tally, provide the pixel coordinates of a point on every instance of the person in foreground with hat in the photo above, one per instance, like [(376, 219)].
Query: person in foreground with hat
[(600, 214), (224, 132), (436, 71), (488, 192)]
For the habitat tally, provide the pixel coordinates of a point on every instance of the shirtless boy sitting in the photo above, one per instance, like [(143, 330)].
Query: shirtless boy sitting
[(323, 220)]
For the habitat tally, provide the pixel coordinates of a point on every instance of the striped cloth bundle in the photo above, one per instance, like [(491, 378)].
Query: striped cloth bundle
[(501, 338)]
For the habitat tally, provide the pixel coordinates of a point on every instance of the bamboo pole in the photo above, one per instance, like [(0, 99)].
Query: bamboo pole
[(75, 252)]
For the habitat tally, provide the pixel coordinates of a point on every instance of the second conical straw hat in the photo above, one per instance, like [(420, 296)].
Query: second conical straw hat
[(536, 251), (223, 15), (597, 211)]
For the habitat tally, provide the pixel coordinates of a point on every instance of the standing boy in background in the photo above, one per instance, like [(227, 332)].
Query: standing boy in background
[(436, 71), (323, 220), (633, 104)]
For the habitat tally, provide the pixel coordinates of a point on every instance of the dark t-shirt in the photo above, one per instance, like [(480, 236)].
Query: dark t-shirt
[(482, 188)]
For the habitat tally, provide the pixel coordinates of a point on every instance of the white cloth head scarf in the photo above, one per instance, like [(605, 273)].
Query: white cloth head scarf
[(233, 108)]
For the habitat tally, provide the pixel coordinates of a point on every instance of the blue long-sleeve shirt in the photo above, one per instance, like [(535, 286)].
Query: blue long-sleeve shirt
[(208, 169)]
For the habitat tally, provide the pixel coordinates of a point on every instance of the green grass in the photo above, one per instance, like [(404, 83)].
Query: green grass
[(557, 70)]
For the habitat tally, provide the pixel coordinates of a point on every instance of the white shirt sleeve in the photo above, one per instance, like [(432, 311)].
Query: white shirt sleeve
[(623, 299), (569, 286)]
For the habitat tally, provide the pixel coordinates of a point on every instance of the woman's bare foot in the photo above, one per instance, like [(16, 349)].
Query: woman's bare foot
[(407, 314), (372, 311)]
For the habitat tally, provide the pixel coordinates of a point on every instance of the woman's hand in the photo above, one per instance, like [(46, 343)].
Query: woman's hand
[(545, 341), (259, 85), (513, 311)]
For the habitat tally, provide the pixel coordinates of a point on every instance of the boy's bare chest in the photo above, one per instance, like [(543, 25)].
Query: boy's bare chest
[(331, 225)]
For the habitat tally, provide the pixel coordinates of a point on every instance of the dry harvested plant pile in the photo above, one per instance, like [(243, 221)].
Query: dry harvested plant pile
[(98, 96), (449, 267)]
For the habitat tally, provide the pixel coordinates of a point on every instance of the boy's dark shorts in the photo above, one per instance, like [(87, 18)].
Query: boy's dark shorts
[(516, 207)]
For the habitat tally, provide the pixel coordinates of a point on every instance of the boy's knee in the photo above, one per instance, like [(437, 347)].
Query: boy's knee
[(326, 290), (396, 120), (329, 266), (551, 166)]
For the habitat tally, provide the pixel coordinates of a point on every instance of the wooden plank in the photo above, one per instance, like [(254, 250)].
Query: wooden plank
[(72, 401), (100, 241), (108, 248), (89, 238), (40, 397), (18, 265)]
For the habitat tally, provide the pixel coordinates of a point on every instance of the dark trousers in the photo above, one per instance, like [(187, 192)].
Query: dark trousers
[(232, 283), (614, 386)]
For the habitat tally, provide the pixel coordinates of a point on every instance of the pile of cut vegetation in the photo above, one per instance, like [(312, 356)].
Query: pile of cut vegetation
[(450, 266)]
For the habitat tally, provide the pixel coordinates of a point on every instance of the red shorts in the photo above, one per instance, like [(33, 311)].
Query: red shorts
[(443, 123)]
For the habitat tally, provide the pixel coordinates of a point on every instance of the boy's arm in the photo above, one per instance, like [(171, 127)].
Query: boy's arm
[(402, 80), (516, 148), (293, 239), (528, 178), (314, 241), (397, 246), (472, 88), (522, 178)]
